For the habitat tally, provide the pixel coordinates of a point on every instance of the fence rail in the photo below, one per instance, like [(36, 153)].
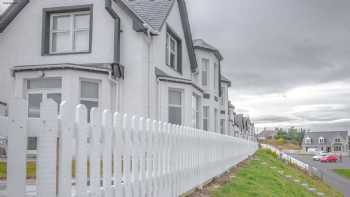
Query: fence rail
[(114, 154)]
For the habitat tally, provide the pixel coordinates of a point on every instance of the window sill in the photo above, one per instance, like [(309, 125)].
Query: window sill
[(66, 53)]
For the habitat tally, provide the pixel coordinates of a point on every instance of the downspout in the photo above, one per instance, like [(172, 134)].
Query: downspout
[(116, 55), (149, 33)]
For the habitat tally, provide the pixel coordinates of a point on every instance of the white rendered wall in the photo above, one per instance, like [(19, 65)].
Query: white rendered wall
[(211, 102)]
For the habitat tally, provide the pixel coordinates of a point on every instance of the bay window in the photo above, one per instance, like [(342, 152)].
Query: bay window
[(41, 89)]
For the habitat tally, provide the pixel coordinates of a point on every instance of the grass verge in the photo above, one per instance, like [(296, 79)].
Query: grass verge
[(261, 177), (343, 172)]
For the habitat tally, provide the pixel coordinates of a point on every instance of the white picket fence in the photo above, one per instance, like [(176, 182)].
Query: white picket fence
[(284, 156), (114, 155)]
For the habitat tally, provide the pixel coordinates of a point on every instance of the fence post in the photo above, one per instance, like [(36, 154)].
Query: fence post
[(17, 148), (65, 150), (47, 149)]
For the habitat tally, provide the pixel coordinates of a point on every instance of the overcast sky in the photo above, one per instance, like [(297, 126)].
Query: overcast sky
[(289, 60)]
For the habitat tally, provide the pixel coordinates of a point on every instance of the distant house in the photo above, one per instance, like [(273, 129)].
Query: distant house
[(267, 134), (329, 141)]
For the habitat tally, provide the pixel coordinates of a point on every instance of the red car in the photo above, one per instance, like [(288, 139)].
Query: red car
[(329, 158)]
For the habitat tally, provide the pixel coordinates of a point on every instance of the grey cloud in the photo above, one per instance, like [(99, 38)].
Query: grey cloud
[(273, 119)]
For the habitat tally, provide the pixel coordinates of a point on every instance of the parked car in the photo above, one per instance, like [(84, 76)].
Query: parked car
[(319, 156), (329, 158)]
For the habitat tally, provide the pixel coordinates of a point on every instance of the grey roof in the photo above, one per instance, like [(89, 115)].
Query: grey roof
[(162, 76), (225, 80), (10, 13), (153, 12), (328, 135), (201, 44)]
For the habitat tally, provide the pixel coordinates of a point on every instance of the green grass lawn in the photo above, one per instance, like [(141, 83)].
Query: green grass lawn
[(343, 172), (256, 179)]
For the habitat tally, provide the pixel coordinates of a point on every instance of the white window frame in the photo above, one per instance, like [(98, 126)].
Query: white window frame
[(181, 106), (196, 110), (216, 120), (216, 77), (307, 140), (90, 99), (170, 51), (72, 31), (222, 126), (206, 117), (205, 69), (321, 140), (337, 140), (43, 91)]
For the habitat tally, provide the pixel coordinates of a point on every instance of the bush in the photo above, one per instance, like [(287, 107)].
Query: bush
[(280, 141)]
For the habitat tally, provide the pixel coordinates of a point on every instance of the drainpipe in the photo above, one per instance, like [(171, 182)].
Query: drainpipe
[(149, 33), (116, 56)]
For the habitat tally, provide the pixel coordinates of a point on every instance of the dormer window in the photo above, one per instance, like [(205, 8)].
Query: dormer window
[(67, 30), (173, 51)]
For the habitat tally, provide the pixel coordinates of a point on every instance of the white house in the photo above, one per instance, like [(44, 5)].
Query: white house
[(135, 57)]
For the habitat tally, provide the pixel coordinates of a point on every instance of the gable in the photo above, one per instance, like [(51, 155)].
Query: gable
[(155, 13)]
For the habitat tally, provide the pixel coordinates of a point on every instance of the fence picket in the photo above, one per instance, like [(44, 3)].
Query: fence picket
[(47, 149), (17, 148), (65, 150), (140, 157), (81, 150), (107, 152), (95, 153), (117, 153)]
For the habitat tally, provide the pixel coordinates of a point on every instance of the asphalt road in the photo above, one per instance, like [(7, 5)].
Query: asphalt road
[(328, 175)]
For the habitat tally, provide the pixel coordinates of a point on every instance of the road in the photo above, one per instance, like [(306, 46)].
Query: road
[(340, 183)]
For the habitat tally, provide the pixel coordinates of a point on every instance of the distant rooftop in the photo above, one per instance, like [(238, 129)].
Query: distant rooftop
[(201, 44)]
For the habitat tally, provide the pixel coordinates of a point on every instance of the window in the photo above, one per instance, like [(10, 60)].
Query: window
[(321, 140), (173, 51), (216, 120), (222, 98), (41, 89), (89, 94), (337, 140), (206, 118), (175, 106), (216, 77), (307, 140), (337, 148), (195, 111), (67, 30), (222, 126), (205, 72)]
